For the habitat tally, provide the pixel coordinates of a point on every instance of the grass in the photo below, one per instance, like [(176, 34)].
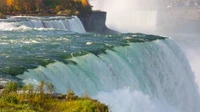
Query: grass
[(45, 102)]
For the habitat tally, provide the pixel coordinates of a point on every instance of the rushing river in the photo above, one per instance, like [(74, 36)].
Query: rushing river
[(130, 72)]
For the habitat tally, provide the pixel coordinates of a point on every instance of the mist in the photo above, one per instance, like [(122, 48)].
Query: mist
[(129, 15), (150, 16), (178, 20)]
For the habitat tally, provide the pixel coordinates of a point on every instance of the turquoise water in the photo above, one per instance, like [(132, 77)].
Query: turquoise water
[(130, 72), (28, 49)]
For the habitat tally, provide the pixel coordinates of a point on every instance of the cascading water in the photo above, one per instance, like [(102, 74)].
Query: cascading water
[(187, 42), (128, 72), (190, 44), (129, 15), (136, 21), (26, 23), (155, 71)]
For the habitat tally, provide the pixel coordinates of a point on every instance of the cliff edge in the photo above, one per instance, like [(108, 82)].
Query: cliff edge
[(96, 23)]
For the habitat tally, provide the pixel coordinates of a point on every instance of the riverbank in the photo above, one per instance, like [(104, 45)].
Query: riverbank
[(27, 99)]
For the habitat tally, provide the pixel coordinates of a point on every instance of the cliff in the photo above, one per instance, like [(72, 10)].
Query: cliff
[(96, 23)]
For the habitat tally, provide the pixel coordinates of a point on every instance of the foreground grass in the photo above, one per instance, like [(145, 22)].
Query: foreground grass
[(48, 103), (11, 101)]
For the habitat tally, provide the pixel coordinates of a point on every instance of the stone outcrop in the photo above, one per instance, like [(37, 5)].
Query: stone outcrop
[(96, 23), (1, 87)]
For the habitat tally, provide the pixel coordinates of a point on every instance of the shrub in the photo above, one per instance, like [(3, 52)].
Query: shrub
[(11, 99), (76, 13), (59, 8), (11, 87), (1, 15), (43, 102), (50, 87), (40, 87), (83, 106), (70, 95)]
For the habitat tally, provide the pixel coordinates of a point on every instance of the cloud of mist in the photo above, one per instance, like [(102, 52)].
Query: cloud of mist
[(128, 15)]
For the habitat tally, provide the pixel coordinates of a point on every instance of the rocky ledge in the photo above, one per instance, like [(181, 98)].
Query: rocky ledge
[(96, 23)]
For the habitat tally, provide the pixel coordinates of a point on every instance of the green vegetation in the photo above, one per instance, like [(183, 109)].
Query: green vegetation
[(1, 15), (27, 100)]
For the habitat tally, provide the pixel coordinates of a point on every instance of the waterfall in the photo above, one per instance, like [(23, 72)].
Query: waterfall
[(129, 15), (134, 21), (190, 44), (26, 23), (149, 75)]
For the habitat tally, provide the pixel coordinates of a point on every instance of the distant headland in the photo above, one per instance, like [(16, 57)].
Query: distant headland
[(45, 7), (93, 21)]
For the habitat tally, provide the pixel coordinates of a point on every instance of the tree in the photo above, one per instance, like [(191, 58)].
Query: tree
[(50, 87), (71, 95), (28, 88), (85, 2), (11, 87), (2, 6), (9, 4), (40, 87), (59, 8), (39, 4), (25, 5)]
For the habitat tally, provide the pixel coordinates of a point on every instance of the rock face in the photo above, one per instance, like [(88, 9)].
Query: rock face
[(96, 23), (1, 87)]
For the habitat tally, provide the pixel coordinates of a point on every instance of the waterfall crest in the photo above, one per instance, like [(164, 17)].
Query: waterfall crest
[(72, 24), (157, 71)]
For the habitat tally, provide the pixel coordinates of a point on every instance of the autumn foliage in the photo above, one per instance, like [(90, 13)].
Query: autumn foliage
[(21, 5), (67, 7)]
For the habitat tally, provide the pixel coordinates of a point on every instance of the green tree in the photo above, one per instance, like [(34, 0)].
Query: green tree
[(11, 87), (71, 95), (50, 87), (28, 88), (40, 87)]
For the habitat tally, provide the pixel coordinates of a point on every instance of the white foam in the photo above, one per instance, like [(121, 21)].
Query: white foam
[(132, 16), (25, 23), (125, 100), (157, 73)]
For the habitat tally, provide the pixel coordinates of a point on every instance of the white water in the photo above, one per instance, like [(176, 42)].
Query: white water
[(21, 23), (136, 21), (115, 8), (125, 100), (129, 15), (157, 74), (190, 44)]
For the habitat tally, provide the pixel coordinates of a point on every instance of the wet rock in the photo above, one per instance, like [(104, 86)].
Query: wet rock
[(1, 87)]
